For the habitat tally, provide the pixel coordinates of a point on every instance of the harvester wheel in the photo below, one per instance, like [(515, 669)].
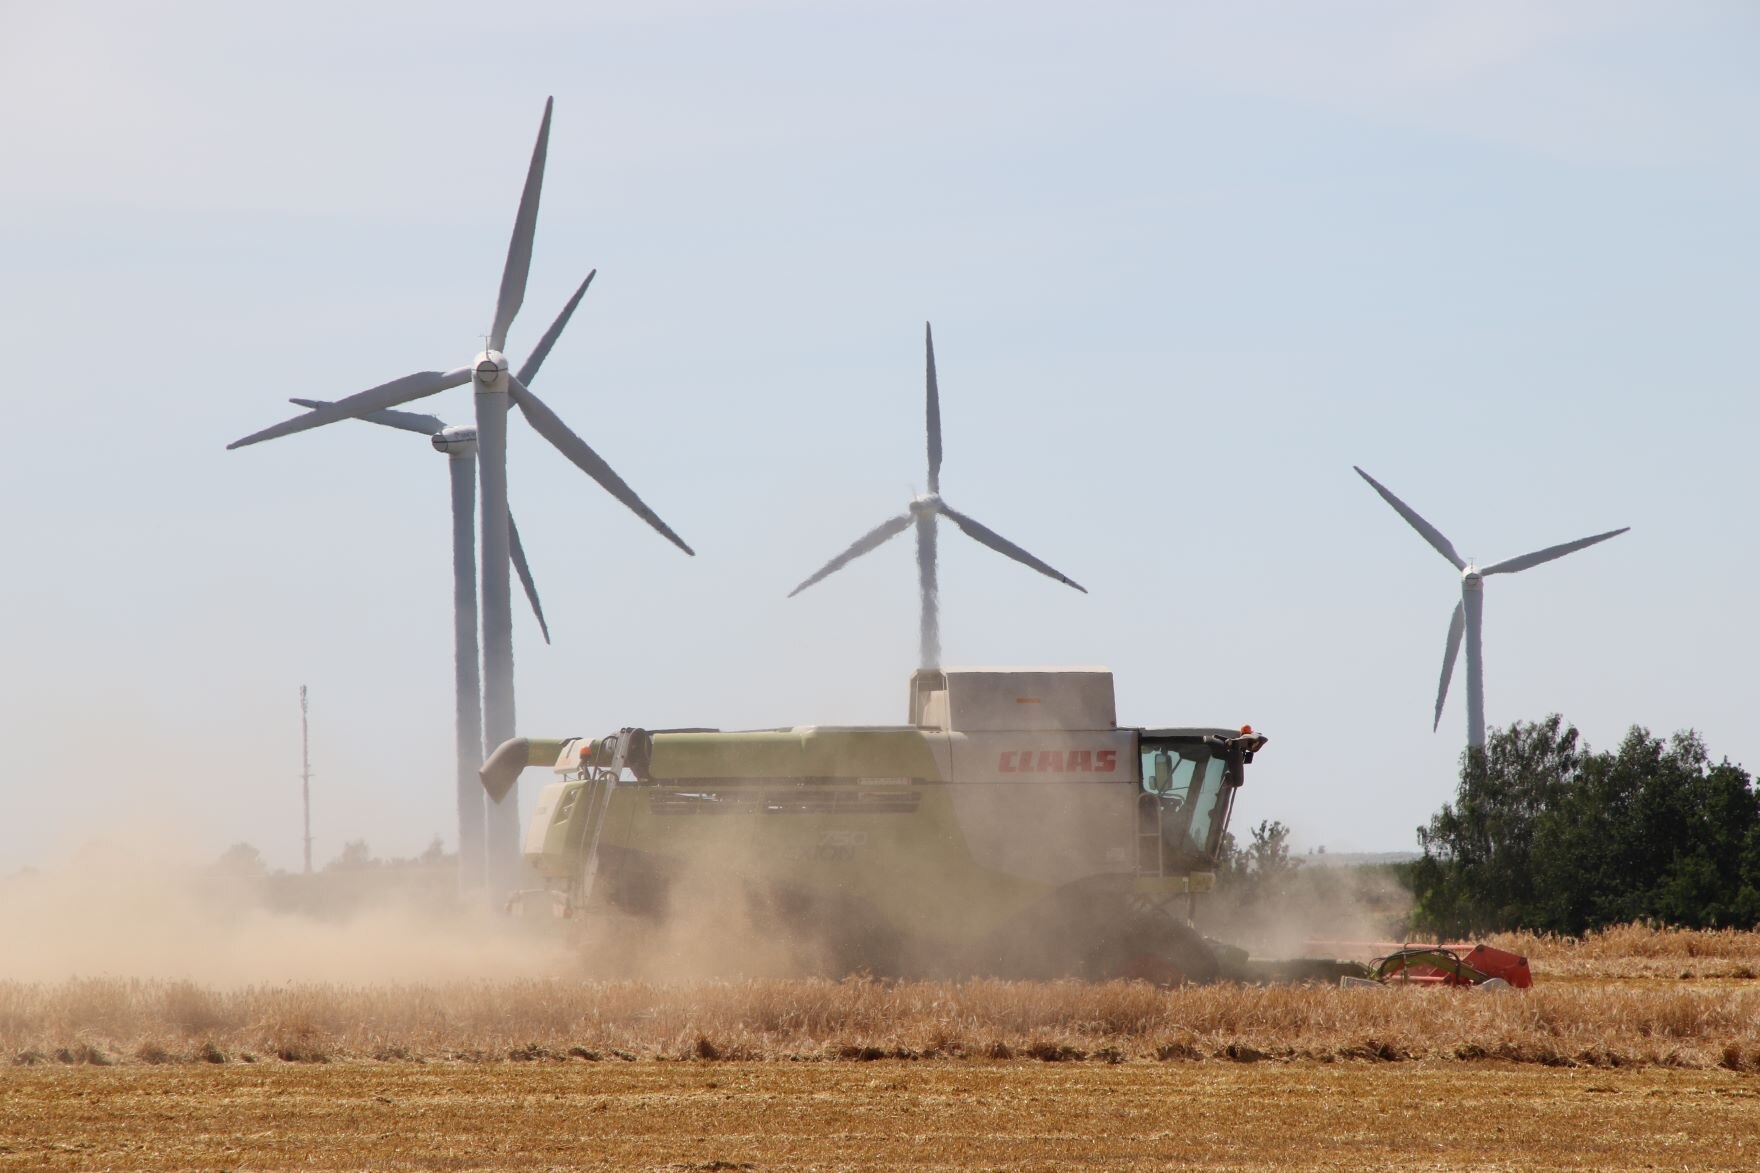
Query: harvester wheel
[(1155, 948)]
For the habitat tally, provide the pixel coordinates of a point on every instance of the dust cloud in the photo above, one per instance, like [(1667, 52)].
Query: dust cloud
[(112, 910), (126, 912), (710, 924), (1311, 909)]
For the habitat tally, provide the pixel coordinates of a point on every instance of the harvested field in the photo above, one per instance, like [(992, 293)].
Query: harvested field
[(1679, 1025), (1612, 1060), (935, 1115)]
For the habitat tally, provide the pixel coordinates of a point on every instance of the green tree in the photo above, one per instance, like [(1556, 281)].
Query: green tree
[(1268, 854), (1477, 872), (355, 856), (241, 859), (1545, 835), (1262, 869)]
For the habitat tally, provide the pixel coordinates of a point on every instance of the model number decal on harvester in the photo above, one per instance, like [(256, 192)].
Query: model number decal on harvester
[(1058, 761)]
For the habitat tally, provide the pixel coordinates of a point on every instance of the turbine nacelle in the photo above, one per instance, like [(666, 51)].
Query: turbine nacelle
[(928, 505), (489, 371), (458, 440), (1472, 578)]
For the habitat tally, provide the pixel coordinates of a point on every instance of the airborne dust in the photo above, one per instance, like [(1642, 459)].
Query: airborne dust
[(120, 907), (125, 911)]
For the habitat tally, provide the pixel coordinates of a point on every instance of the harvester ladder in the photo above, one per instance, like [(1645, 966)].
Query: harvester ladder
[(1151, 860), (603, 781)]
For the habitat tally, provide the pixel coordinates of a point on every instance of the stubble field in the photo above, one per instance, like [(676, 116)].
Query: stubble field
[(1636, 1048), (885, 1115)]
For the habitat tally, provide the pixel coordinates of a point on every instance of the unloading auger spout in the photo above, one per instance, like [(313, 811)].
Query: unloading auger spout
[(630, 749), (512, 757)]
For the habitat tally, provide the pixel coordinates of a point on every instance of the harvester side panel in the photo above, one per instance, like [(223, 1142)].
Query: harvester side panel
[(1047, 835), (1100, 757), (841, 842), (806, 752)]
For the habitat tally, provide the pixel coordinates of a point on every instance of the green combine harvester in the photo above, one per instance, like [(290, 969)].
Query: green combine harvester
[(1012, 828)]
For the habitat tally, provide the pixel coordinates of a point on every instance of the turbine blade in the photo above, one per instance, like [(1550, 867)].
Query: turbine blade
[(872, 540), (525, 575), (409, 421), (359, 404), (519, 249), (551, 427), (1456, 624), (1510, 566), (1002, 545), (1430, 532), (934, 412), (529, 371)]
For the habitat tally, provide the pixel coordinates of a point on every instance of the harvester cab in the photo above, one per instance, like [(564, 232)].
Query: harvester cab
[(1189, 779)]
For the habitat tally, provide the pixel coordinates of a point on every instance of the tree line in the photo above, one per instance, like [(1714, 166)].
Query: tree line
[(1547, 834)]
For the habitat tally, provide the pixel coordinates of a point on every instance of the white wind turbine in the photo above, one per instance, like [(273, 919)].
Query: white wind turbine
[(923, 513), (494, 386), (459, 444), (1469, 612)]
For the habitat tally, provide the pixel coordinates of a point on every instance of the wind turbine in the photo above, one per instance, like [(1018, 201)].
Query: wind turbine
[(459, 444), (1469, 612), (923, 513), (494, 385)]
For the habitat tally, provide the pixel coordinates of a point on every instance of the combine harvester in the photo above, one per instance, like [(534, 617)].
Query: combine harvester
[(1011, 829)]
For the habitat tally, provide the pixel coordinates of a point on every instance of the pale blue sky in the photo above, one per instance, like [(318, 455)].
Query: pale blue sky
[(1186, 264)]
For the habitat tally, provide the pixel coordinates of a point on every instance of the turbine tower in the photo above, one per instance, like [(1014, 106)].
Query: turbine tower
[(494, 385), (459, 444), (924, 512), (1469, 612)]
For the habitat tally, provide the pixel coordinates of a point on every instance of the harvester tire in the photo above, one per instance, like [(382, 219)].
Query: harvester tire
[(1155, 948)]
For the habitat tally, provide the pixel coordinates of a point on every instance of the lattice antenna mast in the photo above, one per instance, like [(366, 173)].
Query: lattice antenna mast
[(305, 774)]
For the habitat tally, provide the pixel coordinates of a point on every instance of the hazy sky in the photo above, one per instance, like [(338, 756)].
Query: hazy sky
[(1186, 264)]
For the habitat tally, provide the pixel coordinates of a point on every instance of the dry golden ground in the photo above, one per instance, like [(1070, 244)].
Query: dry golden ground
[(1616, 1024), (890, 1114)]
